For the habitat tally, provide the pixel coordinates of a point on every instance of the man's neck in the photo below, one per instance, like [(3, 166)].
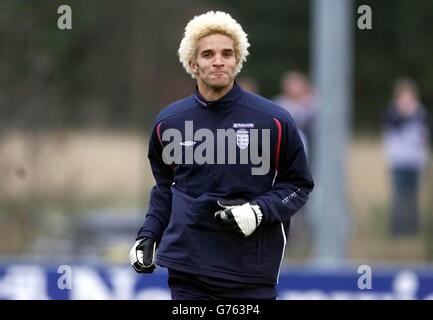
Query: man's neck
[(210, 94)]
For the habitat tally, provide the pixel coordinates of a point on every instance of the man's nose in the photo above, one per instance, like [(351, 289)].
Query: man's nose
[(219, 61)]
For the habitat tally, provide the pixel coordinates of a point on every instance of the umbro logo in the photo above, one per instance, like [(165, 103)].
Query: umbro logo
[(187, 143)]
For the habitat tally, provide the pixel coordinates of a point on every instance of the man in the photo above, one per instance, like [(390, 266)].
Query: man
[(220, 225)]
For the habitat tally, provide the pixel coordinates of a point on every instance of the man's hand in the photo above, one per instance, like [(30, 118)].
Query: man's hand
[(239, 216), (142, 255)]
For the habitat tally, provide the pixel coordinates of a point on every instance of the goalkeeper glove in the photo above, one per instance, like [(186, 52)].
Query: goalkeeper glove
[(142, 255), (239, 216)]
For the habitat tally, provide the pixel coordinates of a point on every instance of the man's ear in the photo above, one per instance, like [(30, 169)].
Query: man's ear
[(194, 67)]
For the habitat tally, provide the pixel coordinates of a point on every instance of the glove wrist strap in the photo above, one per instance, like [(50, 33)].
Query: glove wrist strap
[(259, 215)]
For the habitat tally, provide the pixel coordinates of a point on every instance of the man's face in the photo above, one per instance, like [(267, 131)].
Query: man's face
[(295, 88), (406, 102), (215, 63)]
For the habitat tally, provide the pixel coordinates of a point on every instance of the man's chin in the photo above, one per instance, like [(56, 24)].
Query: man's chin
[(219, 85)]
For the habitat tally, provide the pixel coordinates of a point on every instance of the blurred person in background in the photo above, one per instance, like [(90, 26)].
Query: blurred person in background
[(296, 97), (219, 229), (406, 147)]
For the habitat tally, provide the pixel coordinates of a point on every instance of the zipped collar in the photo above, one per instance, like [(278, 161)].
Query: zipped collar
[(221, 104)]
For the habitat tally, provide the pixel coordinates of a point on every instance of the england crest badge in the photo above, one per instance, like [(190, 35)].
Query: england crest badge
[(242, 138)]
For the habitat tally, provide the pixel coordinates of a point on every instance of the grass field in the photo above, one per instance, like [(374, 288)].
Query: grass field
[(370, 192)]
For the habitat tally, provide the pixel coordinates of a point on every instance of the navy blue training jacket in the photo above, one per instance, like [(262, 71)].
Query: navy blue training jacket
[(183, 201)]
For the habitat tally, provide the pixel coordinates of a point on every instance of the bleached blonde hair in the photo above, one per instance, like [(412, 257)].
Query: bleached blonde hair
[(210, 23)]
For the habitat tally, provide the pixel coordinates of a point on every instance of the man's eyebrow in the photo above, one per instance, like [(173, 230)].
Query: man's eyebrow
[(206, 51)]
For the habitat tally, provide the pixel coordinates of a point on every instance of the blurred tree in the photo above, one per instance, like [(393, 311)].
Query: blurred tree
[(118, 65)]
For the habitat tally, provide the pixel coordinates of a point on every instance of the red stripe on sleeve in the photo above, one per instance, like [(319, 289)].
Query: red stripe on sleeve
[(278, 146), (158, 132)]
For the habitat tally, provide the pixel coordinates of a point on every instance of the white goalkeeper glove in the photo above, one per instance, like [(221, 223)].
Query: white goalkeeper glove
[(142, 255), (239, 216)]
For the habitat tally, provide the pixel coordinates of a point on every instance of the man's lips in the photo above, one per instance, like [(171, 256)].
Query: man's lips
[(218, 73)]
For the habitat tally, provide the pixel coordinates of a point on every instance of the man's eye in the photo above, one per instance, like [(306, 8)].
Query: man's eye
[(206, 55)]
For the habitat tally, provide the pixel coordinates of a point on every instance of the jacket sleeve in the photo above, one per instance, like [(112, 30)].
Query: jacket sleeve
[(158, 214), (293, 181)]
